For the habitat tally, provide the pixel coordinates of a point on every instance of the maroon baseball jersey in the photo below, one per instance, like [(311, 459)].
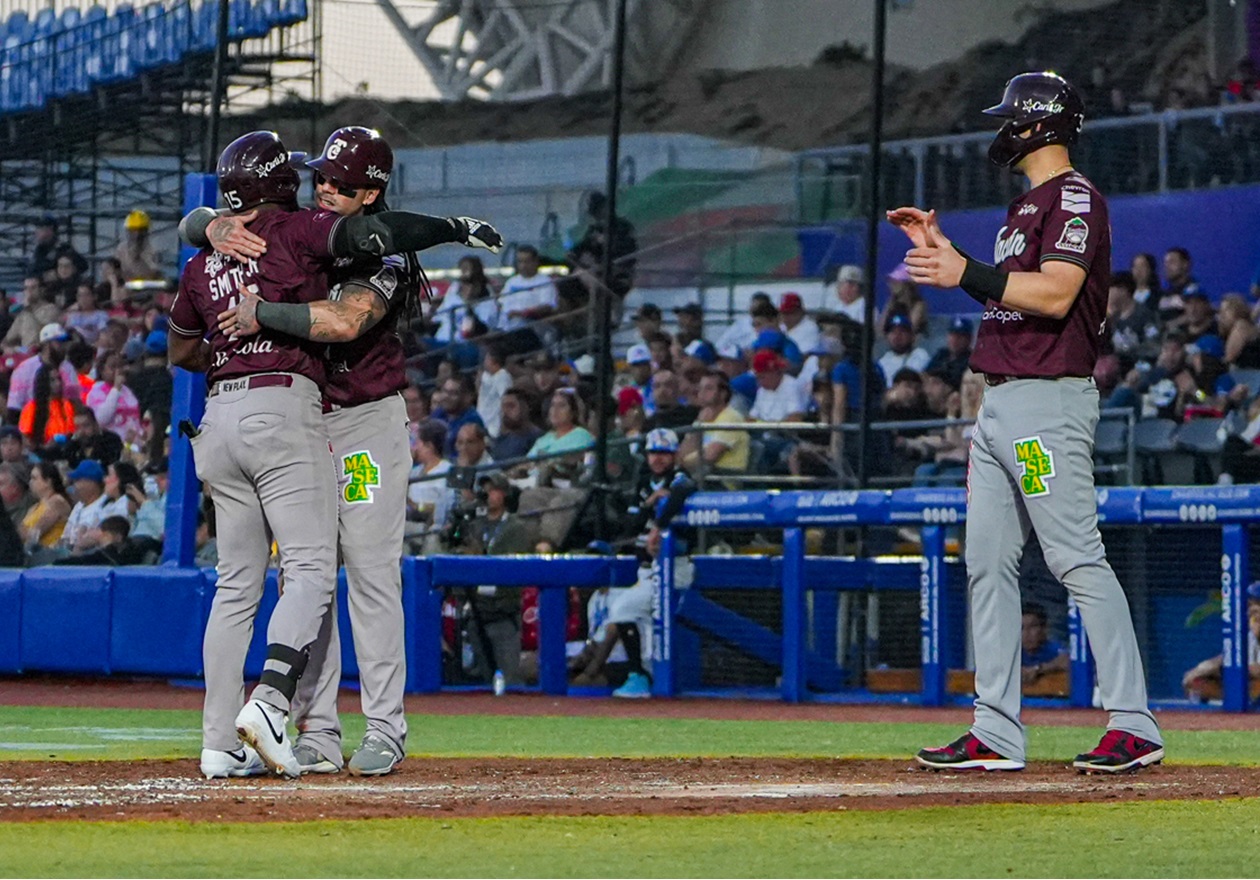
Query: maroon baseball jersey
[(294, 270), (1063, 219), (372, 366)]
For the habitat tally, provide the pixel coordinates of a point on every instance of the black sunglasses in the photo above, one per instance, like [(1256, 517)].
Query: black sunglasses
[(347, 191)]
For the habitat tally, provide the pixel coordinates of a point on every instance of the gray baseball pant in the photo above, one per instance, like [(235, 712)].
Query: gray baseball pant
[(1032, 467), (264, 454), (372, 452)]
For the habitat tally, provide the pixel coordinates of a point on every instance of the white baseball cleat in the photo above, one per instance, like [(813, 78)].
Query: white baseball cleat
[(242, 761), (263, 726)]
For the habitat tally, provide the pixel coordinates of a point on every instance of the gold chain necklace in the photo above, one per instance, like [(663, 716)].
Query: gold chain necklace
[(1056, 172)]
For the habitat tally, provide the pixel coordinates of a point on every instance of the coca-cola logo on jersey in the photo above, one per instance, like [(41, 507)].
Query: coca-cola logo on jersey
[(1007, 246)]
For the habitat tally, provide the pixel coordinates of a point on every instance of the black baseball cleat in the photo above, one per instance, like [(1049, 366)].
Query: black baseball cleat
[(966, 753), (1118, 752)]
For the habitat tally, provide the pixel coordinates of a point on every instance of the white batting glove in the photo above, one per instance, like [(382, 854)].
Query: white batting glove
[(480, 234)]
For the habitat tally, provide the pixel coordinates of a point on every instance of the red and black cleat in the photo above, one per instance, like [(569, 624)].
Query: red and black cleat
[(966, 753), (1119, 752)]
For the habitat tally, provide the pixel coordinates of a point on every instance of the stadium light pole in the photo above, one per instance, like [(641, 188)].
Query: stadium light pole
[(604, 360), (872, 235), (216, 87)]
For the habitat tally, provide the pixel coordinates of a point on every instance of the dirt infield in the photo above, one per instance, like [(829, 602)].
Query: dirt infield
[(571, 787), (443, 787)]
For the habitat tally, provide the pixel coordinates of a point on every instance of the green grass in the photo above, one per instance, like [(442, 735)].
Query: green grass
[(1210, 839), (120, 734)]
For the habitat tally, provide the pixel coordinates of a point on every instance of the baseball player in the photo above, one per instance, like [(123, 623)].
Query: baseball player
[(266, 452), (1032, 457)]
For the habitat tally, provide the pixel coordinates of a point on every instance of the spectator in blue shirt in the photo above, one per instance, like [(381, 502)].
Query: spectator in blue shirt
[(457, 410), (1040, 654)]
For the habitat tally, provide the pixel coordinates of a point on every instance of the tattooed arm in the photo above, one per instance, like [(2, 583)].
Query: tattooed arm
[(357, 311)]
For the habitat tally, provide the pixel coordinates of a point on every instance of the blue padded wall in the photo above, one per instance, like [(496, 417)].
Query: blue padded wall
[(10, 620), (157, 621), (66, 619)]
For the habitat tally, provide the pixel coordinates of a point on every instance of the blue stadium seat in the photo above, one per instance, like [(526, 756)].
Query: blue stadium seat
[(178, 32), (96, 22), (205, 21), (18, 26), (146, 48), (46, 23), (71, 51), (117, 51), (292, 11)]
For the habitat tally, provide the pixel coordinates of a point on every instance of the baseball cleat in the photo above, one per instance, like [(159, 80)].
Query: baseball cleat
[(311, 760), (263, 726), (1118, 752), (374, 757), (637, 687), (966, 753), (241, 761)]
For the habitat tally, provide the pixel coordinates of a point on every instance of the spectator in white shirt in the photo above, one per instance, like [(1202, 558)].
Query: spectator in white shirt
[(491, 385), (902, 353), (81, 531), (851, 290), (780, 397), (647, 321), (741, 333), (469, 296), (527, 295), (800, 328), (428, 500)]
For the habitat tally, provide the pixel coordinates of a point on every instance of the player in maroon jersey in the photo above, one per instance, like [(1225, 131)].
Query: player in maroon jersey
[(1031, 463)]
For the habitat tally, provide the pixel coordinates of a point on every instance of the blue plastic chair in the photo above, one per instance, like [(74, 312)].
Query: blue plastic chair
[(205, 21), (46, 23), (292, 11), (19, 26), (178, 32), (96, 24)]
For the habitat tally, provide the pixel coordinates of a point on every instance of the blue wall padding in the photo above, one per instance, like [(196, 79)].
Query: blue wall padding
[(10, 620), (66, 619), (157, 621)]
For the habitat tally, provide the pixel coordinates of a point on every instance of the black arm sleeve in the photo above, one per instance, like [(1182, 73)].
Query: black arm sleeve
[(393, 232)]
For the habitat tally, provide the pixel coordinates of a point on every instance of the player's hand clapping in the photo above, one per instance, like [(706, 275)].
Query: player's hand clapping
[(933, 260)]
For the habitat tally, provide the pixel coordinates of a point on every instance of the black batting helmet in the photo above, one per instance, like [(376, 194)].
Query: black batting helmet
[(357, 157), (1033, 99), (254, 169)]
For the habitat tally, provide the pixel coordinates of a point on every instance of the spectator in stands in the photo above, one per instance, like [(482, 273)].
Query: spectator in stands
[(587, 256), (821, 359), (11, 449), (48, 250), (428, 497), (470, 446), (114, 404), (1134, 327), (955, 356), (15, 491), (492, 383), (1197, 318), (153, 387), (1214, 391), (1178, 283), (741, 333), (6, 312), (81, 531), (630, 619), (1240, 456), (124, 490), (112, 289), (851, 290), (690, 319), (517, 432), (35, 314), (648, 321), (86, 318), (655, 481), (470, 296), (662, 350), (1114, 391), (1040, 655), (696, 360), (48, 417), (718, 449), (639, 366), (113, 547), (902, 353), (1242, 337), (906, 401), (206, 542), (135, 254), (150, 515), (496, 611), (904, 296), (780, 397), (527, 296), (62, 287), (799, 327), (1146, 289), (545, 371), (947, 451), (458, 397), (566, 414), (114, 339), (1196, 678), (45, 521), (670, 410), (774, 339)]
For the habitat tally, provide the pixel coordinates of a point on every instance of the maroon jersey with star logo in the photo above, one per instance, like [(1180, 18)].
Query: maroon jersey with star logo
[(1065, 219), (293, 270), (374, 365)]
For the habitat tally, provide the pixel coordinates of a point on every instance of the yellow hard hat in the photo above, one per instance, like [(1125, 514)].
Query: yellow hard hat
[(137, 220)]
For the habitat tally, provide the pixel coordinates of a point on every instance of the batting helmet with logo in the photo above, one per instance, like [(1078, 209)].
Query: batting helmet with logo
[(254, 169), (1044, 104), (357, 157)]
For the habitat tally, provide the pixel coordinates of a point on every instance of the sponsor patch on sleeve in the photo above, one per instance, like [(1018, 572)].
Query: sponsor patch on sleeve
[(1074, 201), (1074, 238)]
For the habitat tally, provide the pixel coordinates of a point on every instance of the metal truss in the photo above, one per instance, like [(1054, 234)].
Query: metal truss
[(507, 50)]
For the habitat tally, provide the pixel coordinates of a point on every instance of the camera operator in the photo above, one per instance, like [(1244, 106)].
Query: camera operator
[(494, 612)]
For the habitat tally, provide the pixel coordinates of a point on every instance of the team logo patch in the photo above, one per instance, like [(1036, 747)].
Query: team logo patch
[(1074, 201), (1038, 466), (1026, 210), (1074, 237), (364, 476)]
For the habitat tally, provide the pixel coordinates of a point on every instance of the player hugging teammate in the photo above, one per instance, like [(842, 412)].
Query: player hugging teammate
[(1031, 463)]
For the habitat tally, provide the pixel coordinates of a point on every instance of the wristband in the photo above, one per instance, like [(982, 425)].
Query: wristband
[(291, 318), (982, 282)]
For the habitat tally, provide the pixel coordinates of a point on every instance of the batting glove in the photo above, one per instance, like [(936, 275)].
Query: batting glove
[(479, 234)]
